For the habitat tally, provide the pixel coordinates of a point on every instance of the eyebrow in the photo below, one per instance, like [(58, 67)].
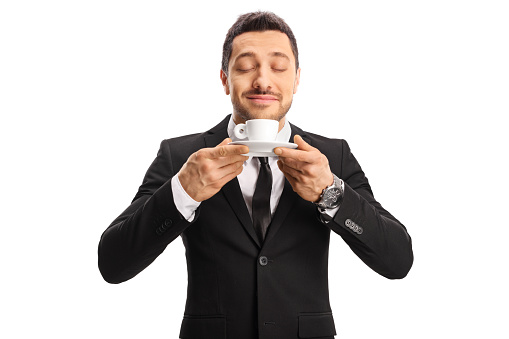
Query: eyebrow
[(280, 54), (252, 55)]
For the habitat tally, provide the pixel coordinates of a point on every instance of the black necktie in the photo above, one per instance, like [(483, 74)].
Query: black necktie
[(261, 199)]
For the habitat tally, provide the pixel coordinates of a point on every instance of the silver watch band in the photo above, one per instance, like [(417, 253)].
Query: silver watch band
[(326, 195)]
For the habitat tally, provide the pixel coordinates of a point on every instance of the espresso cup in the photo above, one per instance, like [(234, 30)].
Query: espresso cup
[(257, 129)]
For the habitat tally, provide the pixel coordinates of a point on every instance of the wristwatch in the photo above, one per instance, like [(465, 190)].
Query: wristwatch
[(332, 195)]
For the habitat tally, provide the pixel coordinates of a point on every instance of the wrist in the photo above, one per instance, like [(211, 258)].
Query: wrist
[(332, 196), (185, 184), (320, 192)]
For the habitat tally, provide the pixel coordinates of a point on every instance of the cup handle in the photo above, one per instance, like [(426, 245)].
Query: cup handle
[(240, 131)]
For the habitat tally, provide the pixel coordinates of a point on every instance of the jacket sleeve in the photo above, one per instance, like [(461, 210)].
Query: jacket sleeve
[(372, 233), (142, 232)]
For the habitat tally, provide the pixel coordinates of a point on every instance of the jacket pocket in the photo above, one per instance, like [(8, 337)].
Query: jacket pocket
[(203, 327), (316, 325)]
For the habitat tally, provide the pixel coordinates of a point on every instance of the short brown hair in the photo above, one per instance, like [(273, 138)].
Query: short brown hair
[(257, 22)]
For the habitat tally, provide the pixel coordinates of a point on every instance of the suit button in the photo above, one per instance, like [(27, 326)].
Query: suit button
[(263, 260), (348, 223), (166, 224)]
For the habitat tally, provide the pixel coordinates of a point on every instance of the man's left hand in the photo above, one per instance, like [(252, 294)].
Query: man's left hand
[(306, 168)]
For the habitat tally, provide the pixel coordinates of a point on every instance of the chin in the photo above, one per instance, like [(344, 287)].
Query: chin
[(260, 112), (263, 115)]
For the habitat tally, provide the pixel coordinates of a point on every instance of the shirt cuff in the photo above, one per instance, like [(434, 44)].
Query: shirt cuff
[(184, 203), (331, 211), (327, 214)]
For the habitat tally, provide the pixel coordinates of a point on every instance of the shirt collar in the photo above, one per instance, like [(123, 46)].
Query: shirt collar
[(283, 135)]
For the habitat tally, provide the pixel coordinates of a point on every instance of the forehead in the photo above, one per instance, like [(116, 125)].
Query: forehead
[(261, 43)]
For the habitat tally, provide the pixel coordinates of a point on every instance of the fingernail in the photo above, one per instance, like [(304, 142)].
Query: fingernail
[(278, 151)]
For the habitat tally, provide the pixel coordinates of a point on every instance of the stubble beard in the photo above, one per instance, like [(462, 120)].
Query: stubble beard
[(242, 112)]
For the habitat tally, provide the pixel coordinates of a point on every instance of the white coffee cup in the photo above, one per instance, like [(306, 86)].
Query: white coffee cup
[(257, 129)]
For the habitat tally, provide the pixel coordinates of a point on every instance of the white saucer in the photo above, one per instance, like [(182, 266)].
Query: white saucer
[(261, 148)]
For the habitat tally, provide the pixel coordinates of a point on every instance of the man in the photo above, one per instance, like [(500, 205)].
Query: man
[(257, 267)]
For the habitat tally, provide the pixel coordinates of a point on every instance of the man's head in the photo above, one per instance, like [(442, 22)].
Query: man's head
[(257, 22), (260, 67)]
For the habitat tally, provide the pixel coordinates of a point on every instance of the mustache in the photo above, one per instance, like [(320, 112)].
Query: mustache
[(258, 92)]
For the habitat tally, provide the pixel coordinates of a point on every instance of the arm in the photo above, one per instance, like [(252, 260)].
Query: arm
[(142, 232), (374, 235), (136, 237)]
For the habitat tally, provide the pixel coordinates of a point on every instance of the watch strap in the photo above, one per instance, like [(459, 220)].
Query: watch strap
[(337, 183)]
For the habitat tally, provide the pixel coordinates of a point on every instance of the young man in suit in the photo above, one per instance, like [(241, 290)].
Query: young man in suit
[(256, 231)]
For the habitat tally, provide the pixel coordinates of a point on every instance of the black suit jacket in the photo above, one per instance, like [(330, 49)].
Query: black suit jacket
[(238, 287)]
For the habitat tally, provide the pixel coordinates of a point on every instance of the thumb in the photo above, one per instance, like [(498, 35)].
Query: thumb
[(302, 145), (225, 142)]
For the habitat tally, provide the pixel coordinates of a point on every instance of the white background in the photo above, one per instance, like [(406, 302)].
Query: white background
[(88, 89)]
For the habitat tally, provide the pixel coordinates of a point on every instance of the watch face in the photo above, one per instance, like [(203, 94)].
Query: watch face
[(331, 196)]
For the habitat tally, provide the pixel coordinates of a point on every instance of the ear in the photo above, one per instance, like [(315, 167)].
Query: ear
[(224, 80), (297, 81)]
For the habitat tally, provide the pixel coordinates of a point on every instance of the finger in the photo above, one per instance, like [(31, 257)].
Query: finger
[(296, 154), (302, 145), (295, 164), (288, 170), (227, 169), (299, 153), (290, 178), (231, 159), (226, 141), (227, 150), (229, 175)]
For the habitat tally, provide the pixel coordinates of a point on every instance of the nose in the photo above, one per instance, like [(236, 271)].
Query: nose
[(262, 80)]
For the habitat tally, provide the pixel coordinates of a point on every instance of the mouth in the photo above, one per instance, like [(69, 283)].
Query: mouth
[(262, 99)]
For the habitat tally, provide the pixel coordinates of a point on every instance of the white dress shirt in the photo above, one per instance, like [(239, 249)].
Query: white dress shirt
[(247, 180)]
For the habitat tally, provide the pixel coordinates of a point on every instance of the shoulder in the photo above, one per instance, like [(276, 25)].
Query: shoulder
[(334, 149), (178, 149), (324, 144), (321, 141), (184, 140), (197, 140)]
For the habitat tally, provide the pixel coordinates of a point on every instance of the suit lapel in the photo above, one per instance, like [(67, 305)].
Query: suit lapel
[(297, 130), (235, 198), (286, 202), (231, 190)]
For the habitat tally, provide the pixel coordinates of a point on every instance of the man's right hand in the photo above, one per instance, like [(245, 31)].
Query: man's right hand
[(209, 169)]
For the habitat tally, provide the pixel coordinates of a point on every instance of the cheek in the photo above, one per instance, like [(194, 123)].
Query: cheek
[(289, 91), (288, 85), (236, 93), (237, 86)]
